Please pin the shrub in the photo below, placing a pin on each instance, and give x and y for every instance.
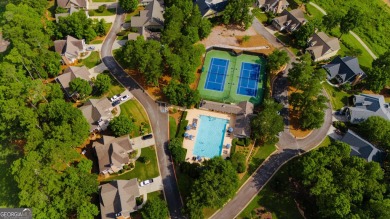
(238, 161)
(101, 8)
(340, 126)
(121, 171)
(126, 167)
(133, 29)
(91, 13)
(139, 200)
(131, 165)
(121, 33)
(144, 159)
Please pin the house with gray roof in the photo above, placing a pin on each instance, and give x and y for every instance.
(70, 11)
(243, 112)
(70, 74)
(211, 8)
(118, 198)
(362, 148)
(70, 49)
(289, 20)
(98, 113)
(113, 153)
(274, 6)
(366, 105)
(344, 70)
(149, 19)
(322, 47)
(80, 4)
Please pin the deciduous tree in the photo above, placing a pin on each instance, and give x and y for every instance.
(350, 21)
(238, 12)
(102, 84)
(155, 208)
(81, 87)
(128, 5)
(277, 59)
(121, 125)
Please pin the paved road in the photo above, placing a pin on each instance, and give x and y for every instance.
(159, 121)
(351, 32)
(288, 146)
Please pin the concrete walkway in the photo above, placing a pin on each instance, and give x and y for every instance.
(351, 32)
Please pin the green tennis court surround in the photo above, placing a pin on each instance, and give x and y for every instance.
(223, 80)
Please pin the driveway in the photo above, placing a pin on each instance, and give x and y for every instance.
(158, 120)
(156, 185)
(138, 143)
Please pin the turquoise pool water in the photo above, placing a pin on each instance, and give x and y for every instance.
(209, 140)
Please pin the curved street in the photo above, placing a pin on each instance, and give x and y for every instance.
(159, 120)
(288, 146)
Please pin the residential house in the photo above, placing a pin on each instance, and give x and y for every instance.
(362, 148)
(366, 105)
(274, 6)
(322, 47)
(3, 43)
(113, 153)
(211, 8)
(98, 113)
(71, 73)
(80, 4)
(243, 112)
(70, 49)
(289, 20)
(344, 70)
(118, 198)
(151, 18)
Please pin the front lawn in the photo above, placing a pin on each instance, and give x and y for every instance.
(91, 61)
(338, 98)
(134, 13)
(288, 41)
(277, 201)
(260, 15)
(106, 12)
(96, 42)
(326, 142)
(134, 110)
(141, 170)
(172, 127)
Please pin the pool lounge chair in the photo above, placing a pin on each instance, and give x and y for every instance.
(194, 123)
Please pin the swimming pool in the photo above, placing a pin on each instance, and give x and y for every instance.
(209, 140)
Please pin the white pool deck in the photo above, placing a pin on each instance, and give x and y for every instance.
(190, 144)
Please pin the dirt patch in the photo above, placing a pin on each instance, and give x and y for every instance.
(176, 115)
(294, 120)
(232, 36)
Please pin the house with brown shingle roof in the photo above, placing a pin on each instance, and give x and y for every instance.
(71, 73)
(322, 47)
(118, 198)
(289, 20)
(243, 112)
(151, 18)
(98, 113)
(70, 49)
(75, 3)
(275, 6)
(113, 153)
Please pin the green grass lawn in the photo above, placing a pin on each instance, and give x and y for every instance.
(9, 188)
(277, 201)
(338, 98)
(288, 40)
(96, 42)
(107, 27)
(106, 12)
(133, 109)
(313, 12)
(326, 142)
(156, 194)
(142, 171)
(258, 13)
(124, 37)
(91, 61)
(134, 13)
(172, 127)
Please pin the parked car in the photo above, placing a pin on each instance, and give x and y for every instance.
(145, 137)
(125, 97)
(115, 103)
(90, 48)
(146, 182)
(115, 97)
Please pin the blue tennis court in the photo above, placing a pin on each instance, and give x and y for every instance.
(249, 79)
(217, 74)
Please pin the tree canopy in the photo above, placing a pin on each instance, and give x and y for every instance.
(102, 84)
(128, 5)
(177, 150)
(277, 59)
(351, 20)
(181, 94)
(238, 12)
(267, 124)
(155, 208)
(343, 186)
(377, 130)
(379, 75)
(80, 86)
(207, 191)
(121, 125)
(303, 34)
